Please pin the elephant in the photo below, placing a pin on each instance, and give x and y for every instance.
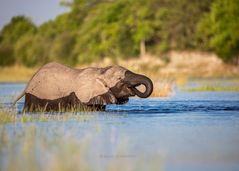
(55, 87)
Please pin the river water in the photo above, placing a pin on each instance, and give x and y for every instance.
(187, 131)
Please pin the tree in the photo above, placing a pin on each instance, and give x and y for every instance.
(140, 20)
(180, 22)
(6, 55)
(94, 29)
(218, 30)
(100, 31)
(117, 28)
(10, 34)
(62, 48)
(32, 50)
(17, 27)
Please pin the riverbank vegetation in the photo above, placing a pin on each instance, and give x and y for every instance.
(94, 30)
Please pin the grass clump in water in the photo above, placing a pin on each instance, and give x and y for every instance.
(10, 116)
(6, 117)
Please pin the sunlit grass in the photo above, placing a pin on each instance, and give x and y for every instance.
(8, 115)
(16, 73)
(211, 88)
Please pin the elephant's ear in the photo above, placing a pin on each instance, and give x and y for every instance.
(104, 98)
(96, 92)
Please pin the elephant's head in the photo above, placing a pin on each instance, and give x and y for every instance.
(123, 83)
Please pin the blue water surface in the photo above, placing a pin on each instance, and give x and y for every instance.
(188, 131)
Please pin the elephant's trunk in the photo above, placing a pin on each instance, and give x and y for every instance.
(135, 80)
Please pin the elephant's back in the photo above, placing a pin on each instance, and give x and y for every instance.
(52, 81)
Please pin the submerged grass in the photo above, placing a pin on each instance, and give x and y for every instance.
(8, 115)
(27, 144)
(44, 142)
(31, 148)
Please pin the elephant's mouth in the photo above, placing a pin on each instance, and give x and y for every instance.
(122, 100)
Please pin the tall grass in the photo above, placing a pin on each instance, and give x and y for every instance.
(16, 73)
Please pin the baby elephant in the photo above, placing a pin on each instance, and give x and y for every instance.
(55, 87)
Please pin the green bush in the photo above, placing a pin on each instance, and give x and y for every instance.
(62, 48)
(218, 30)
(17, 27)
(6, 55)
(32, 50)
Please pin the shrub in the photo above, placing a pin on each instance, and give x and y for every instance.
(6, 55)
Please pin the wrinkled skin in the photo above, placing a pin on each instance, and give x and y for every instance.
(55, 87)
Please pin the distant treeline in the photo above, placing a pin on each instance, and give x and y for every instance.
(94, 29)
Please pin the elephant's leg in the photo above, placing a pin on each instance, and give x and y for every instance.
(29, 104)
(67, 103)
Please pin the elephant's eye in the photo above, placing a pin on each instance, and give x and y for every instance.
(119, 78)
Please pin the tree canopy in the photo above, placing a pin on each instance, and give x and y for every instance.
(94, 29)
(219, 29)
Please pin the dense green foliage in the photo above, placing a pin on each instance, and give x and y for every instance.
(10, 35)
(6, 55)
(94, 29)
(219, 29)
